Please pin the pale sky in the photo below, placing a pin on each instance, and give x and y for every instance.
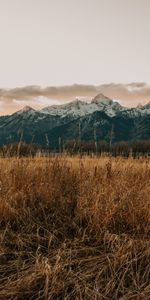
(49, 43)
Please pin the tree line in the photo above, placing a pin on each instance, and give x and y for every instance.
(72, 147)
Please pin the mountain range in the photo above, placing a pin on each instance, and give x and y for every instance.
(98, 119)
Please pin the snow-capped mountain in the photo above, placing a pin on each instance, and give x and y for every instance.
(52, 122)
(80, 108)
(75, 108)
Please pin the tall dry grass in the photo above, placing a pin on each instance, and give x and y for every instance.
(74, 228)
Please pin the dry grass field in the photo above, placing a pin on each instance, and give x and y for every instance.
(74, 228)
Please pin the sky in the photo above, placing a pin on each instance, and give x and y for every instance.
(52, 51)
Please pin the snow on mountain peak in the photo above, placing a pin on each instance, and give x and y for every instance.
(83, 99)
(79, 108)
(76, 107)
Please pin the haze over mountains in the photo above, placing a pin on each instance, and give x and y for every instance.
(74, 120)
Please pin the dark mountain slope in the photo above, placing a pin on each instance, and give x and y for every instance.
(102, 119)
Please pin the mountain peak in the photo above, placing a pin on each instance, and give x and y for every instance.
(102, 99)
(139, 105)
(147, 105)
(143, 107)
(76, 101)
(27, 109)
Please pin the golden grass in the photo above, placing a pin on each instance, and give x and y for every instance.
(74, 228)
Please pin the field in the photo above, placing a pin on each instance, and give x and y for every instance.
(74, 228)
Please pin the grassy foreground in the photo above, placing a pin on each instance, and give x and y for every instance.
(74, 228)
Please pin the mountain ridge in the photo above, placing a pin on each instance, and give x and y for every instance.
(55, 121)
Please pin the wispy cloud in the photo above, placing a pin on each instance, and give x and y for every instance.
(128, 94)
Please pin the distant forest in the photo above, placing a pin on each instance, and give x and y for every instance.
(73, 147)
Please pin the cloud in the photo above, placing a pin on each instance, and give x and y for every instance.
(128, 94)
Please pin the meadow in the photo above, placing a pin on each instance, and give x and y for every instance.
(74, 228)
